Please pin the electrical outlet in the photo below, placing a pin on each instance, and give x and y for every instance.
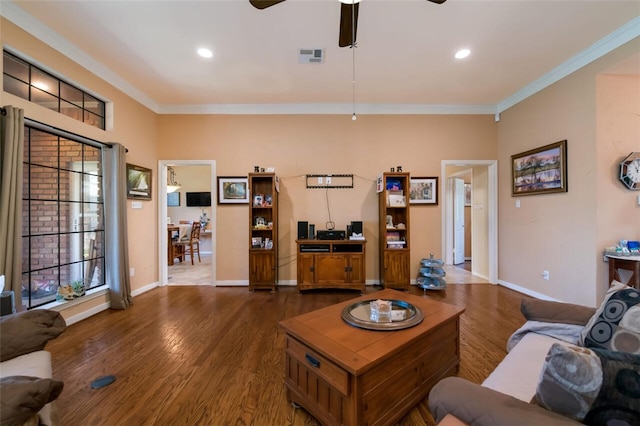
(132, 272)
(545, 275)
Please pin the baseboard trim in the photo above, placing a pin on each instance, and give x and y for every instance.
(526, 291)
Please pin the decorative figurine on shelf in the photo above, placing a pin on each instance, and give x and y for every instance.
(399, 169)
(256, 169)
(204, 220)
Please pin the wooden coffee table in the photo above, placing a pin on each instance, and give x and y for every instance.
(346, 375)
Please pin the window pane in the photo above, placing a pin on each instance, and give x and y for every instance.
(43, 149)
(15, 87)
(71, 274)
(71, 94)
(92, 216)
(15, 67)
(92, 188)
(43, 252)
(71, 250)
(44, 217)
(70, 185)
(42, 183)
(44, 81)
(93, 120)
(70, 155)
(71, 110)
(94, 275)
(41, 288)
(44, 99)
(93, 105)
(70, 217)
(92, 156)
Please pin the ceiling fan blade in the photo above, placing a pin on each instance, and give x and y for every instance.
(263, 4)
(348, 18)
(437, 1)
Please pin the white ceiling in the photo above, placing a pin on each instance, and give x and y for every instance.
(403, 63)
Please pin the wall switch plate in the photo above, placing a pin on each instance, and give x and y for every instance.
(136, 204)
(132, 272)
(319, 181)
(545, 275)
(517, 203)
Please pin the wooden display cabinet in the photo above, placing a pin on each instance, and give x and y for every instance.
(331, 264)
(263, 231)
(394, 230)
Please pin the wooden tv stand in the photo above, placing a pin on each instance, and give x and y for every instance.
(331, 264)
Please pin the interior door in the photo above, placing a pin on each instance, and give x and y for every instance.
(458, 221)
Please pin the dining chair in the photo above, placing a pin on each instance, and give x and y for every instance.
(191, 245)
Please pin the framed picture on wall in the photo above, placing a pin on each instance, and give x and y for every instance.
(173, 199)
(233, 190)
(540, 170)
(138, 182)
(423, 190)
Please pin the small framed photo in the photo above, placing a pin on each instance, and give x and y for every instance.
(138, 182)
(424, 190)
(540, 170)
(258, 200)
(173, 199)
(233, 190)
(256, 242)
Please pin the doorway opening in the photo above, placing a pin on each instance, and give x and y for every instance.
(208, 240)
(483, 205)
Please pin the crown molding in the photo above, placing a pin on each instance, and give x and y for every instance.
(36, 28)
(327, 109)
(622, 35)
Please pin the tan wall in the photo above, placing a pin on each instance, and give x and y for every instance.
(300, 145)
(565, 233)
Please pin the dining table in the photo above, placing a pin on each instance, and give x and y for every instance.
(183, 232)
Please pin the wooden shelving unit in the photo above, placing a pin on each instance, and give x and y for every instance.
(263, 231)
(394, 227)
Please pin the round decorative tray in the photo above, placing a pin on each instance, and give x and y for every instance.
(359, 315)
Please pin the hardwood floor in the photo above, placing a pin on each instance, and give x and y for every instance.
(200, 355)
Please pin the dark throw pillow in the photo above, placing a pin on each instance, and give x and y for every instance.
(21, 397)
(28, 331)
(616, 324)
(597, 387)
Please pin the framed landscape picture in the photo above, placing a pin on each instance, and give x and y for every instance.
(138, 182)
(173, 199)
(233, 190)
(540, 170)
(423, 190)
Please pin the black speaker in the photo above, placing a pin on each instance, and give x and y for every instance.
(7, 303)
(312, 231)
(303, 230)
(356, 227)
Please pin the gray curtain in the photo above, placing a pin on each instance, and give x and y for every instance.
(11, 153)
(115, 216)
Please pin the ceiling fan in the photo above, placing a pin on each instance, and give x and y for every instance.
(348, 17)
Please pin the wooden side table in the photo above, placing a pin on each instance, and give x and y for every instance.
(628, 263)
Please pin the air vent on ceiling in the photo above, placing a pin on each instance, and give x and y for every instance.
(311, 56)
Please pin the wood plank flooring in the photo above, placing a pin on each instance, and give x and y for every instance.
(200, 355)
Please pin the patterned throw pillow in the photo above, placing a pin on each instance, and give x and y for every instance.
(616, 324)
(596, 387)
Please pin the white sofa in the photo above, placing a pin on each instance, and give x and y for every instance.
(504, 398)
(27, 390)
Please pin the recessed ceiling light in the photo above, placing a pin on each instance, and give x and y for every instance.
(462, 53)
(205, 53)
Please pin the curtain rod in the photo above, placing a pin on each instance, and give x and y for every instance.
(64, 133)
